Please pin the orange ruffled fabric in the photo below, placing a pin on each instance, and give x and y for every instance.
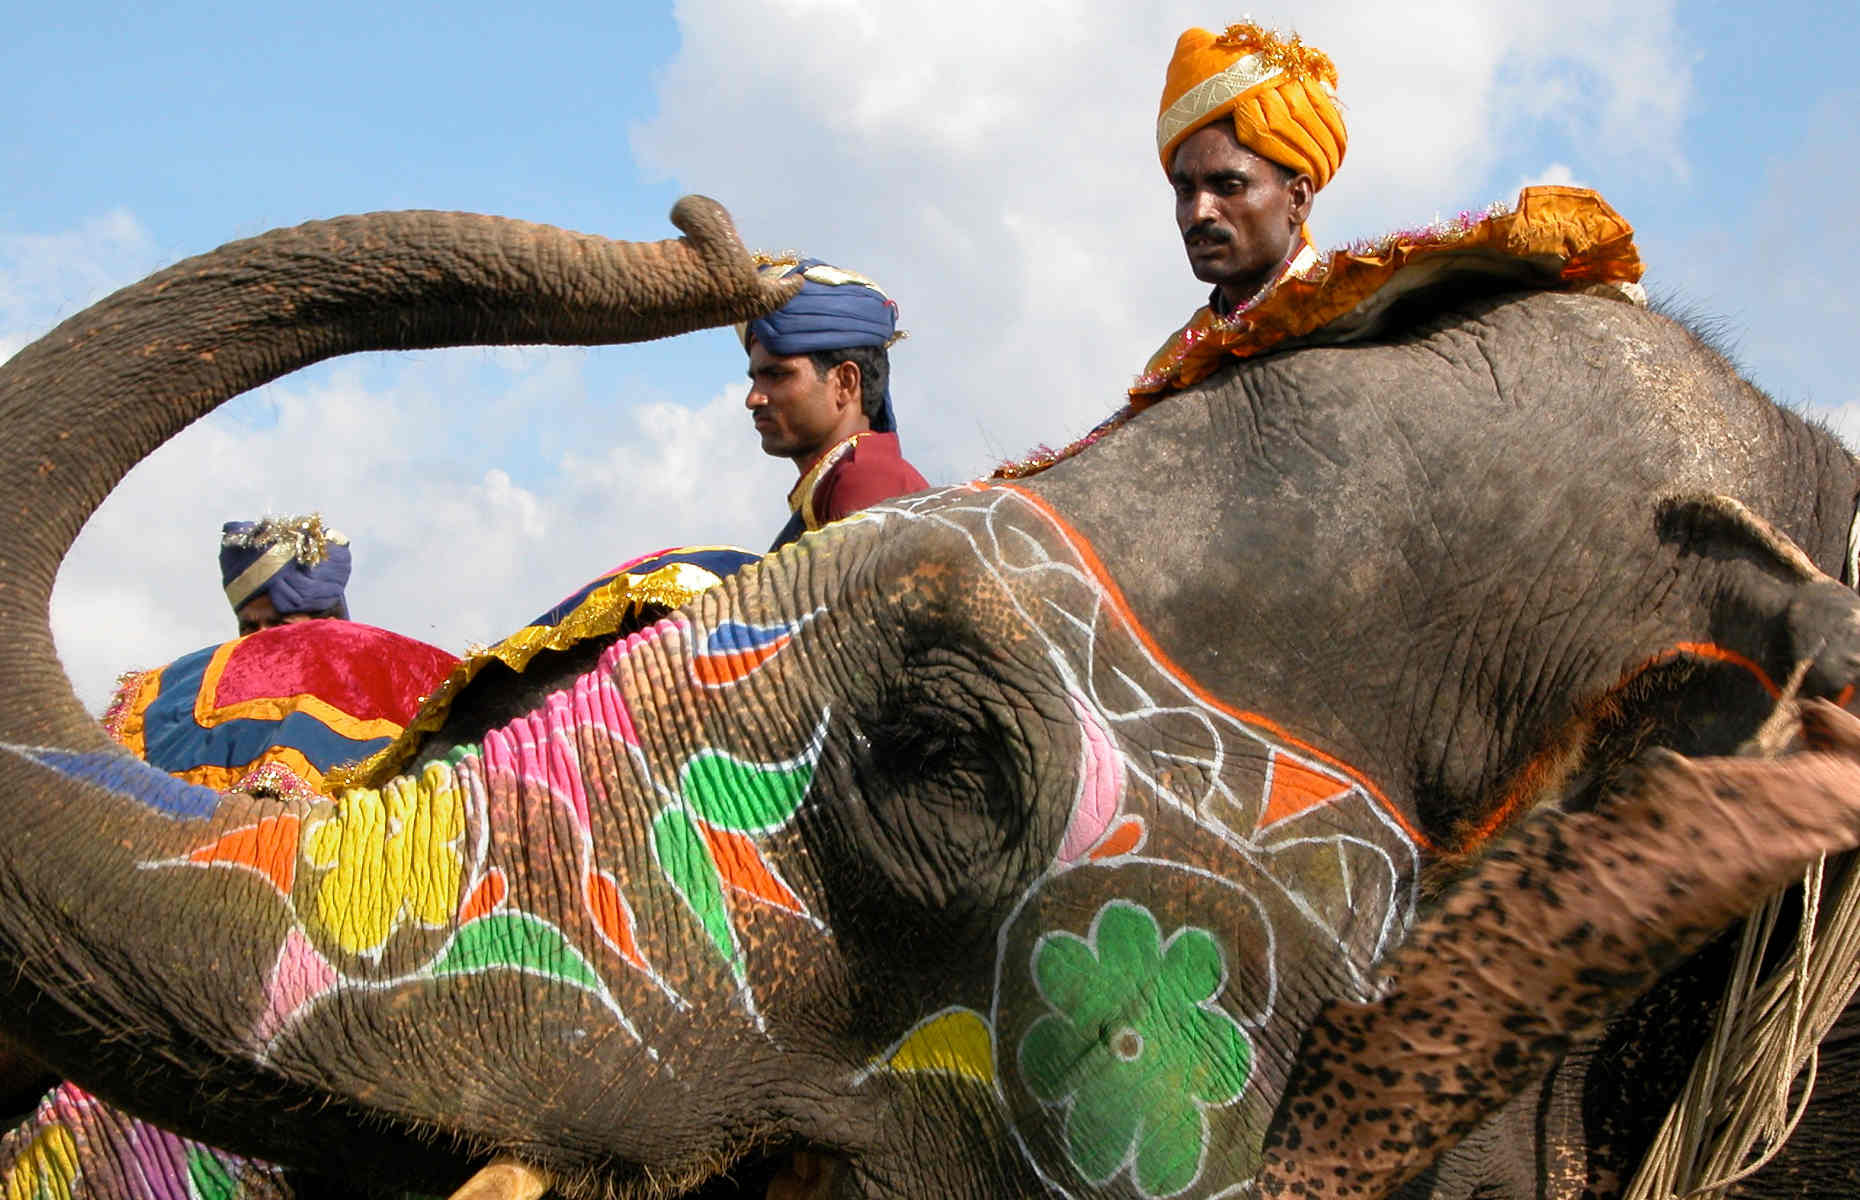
(1568, 237)
(1556, 238)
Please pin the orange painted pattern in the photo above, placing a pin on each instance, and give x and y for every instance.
(269, 847)
(485, 898)
(1124, 837)
(1295, 788)
(742, 868)
(1115, 597)
(610, 914)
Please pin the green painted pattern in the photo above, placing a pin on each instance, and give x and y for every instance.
(686, 861)
(743, 797)
(1134, 1046)
(207, 1176)
(516, 941)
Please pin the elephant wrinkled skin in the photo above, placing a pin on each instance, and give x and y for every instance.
(1003, 840)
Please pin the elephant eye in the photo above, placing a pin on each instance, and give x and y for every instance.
(945, 789)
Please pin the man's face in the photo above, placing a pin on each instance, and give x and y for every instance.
(1237, 211)
(799, 413)
(260, 613)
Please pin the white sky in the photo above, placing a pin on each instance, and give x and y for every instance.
(991, 164)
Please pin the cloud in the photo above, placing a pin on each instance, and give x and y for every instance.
(449, 547)
(45, 278)
(1006, 191)
(1003, 187)
(1557, 174)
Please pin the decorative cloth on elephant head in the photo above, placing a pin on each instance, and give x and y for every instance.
(299, 562)
(279, 709)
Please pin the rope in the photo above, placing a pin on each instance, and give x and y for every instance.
(1767, 1031)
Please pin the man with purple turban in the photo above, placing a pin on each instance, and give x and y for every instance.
(819, 392)
(283, 569)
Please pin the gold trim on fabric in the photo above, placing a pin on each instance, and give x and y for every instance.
(1211, 93)
(253, 577)
(801, 496)
(605, 611)
(126, 717)
(209, 712)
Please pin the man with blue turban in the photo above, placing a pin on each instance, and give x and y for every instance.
(283, 569)
(819, 391)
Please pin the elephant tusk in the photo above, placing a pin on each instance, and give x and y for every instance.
(505, 1179)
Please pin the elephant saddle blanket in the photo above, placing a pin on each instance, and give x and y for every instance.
(617, 601)
(278, 709)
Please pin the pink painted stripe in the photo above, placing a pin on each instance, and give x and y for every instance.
(564, 758)
(300, 976)
(1101, 783)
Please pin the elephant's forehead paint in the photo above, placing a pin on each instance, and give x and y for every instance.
(732, 651)
(1209, 866)
(410, 864)
(1101, 782)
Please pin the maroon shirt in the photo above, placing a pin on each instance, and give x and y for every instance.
(863, 470)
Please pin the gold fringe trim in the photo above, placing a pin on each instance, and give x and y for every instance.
(605, 611)
(1289, 54)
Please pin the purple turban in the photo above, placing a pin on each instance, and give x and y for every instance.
(298, 561)
(834, 310)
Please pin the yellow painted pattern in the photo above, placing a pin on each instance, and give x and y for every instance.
(955, 1041)
(47, 1170)
(393, 857)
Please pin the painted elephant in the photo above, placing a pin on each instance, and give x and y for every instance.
(1005, 840)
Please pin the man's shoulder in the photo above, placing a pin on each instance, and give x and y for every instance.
(873, 469)
(880, 453)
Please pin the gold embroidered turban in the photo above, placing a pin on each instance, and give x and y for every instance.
(1281, 93)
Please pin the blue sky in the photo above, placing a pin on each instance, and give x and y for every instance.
(989, 163)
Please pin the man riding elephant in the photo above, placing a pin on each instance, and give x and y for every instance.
(281, 570)
(1249, 132)
(1002, 842)
(820, 393)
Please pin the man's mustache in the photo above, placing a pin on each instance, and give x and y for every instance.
(1207, 231)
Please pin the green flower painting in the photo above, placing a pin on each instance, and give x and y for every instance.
(1133, 1046)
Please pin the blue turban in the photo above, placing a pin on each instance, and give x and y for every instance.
(834, 310)
(298, 561)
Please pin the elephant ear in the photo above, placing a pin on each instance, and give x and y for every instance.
(1821, 623)
(1548, 938)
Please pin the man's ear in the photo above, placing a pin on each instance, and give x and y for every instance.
(847, 383)
(1303, 190)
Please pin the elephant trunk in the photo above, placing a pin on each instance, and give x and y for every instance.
(97, 968)
(86, 402)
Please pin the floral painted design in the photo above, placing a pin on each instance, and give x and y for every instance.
(1133, 1046)
(393, 858)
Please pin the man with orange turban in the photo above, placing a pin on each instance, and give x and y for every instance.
(1249, 133)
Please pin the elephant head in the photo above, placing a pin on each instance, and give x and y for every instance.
(1001, 840)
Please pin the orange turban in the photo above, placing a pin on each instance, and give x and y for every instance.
(1281, 92)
